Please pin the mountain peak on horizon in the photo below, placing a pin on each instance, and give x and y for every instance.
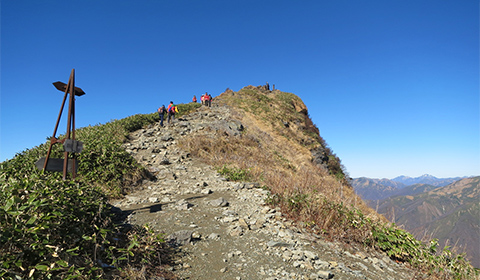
(401, 177)
(404, 177)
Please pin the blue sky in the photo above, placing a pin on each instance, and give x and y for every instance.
(393, 86)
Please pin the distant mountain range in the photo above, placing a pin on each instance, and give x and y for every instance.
(375, 189)
(426, 179)
(450, 213)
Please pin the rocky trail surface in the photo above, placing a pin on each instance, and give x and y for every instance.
(224, 230)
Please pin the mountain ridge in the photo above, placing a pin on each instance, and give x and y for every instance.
(375, 189)
(231, 232)
(284, 174)
(426, 179)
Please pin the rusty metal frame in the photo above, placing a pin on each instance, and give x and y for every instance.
(71, 90)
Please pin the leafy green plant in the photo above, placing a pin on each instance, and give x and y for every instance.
(55, 229)
(401, 245)
(298, 201)
(234, 174)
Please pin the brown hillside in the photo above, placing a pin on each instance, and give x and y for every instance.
(281, 148)
(450, 214)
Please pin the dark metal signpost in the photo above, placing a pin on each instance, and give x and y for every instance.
(70, 145)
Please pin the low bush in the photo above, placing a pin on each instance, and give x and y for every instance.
(56, 229)
(234, 174)
(402, 246)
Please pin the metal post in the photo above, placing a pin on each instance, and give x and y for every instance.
(74, 156)
(70, 88)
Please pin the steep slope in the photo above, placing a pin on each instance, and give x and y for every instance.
(449, 213)
(282, 148)
(406, 191)
(414, 189)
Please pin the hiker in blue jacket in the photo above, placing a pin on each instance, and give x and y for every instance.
(161, 113)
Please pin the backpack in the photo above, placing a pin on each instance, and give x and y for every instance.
(161, 110)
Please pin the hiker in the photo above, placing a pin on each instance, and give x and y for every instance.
(205, 99)
(210, 100)
(202, 99)
(170, 112)
(194, 99)
(161, 113)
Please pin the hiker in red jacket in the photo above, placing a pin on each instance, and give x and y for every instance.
(170, 111)
(206, 99)
(194, 99)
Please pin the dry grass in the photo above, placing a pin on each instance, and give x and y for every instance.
(306, 193)
(276, 150)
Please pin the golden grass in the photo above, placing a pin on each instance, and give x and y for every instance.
(306, 193)
(279, 157)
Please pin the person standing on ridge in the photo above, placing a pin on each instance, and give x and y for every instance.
(194, 99)
(205, 99)
(161, 113)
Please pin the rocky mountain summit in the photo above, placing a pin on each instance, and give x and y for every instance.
(225, 230)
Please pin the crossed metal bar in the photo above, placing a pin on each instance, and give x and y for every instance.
(70, 144)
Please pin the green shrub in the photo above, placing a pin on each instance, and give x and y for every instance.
(55, 229)
(234, 174)
(37, 215)
(297, 202)
(401, 245)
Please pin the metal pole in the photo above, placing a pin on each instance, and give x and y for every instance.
(71, 90)
(74, 155)
(54, 139)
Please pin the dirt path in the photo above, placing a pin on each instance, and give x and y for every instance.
(223, 230)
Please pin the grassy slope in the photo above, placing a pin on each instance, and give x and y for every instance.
(275, 150)
(50, 228)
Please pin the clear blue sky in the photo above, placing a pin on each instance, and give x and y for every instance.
(393, 86)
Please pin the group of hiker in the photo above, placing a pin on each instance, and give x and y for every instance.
(206, 99)
(172, 109)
